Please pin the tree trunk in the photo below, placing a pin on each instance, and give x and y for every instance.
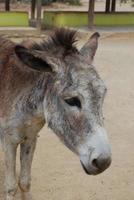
(39, 3)
(113, 7)
(107, 8)
(33, 5)
(7, 5)
(91, 13)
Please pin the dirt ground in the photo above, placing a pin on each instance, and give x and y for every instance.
(57, 173)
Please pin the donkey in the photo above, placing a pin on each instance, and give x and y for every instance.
(55, 83)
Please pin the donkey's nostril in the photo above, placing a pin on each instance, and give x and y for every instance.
(94, 163)
(101, 163)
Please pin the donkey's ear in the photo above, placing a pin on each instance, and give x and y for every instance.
(32, 59)
(89, 49)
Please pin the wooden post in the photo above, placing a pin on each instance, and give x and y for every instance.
(33, 4)
(7, 5)
(113, 7)
(91, 14)
(39, 4)
(107, 7)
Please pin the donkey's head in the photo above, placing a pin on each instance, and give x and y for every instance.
(74, 96)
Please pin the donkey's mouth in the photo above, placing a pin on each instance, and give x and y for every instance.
(87, 172)
(91, 171)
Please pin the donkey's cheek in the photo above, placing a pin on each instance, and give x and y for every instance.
(68, 135)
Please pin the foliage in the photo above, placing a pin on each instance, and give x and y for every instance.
(123, 1)
(132, 3)
(46, 2)
(72, 2)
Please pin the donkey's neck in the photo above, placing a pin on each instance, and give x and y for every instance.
(32, 97)
(22, 91)
(21, 88)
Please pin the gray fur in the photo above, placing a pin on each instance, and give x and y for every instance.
(37, 82)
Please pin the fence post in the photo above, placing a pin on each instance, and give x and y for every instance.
(33, 4)
(7, 5)
(39, 4)
(107, 7)
(113, 7)
(91, 14)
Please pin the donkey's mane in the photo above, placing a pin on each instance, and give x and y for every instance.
(62, 40)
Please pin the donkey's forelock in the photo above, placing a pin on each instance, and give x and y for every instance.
(62, 39)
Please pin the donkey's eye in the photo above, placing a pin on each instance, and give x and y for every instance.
(74, 101)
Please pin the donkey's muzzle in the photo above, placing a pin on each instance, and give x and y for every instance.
(95, 153)
(97, 165)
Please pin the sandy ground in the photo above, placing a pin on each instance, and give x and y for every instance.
(57, 173)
